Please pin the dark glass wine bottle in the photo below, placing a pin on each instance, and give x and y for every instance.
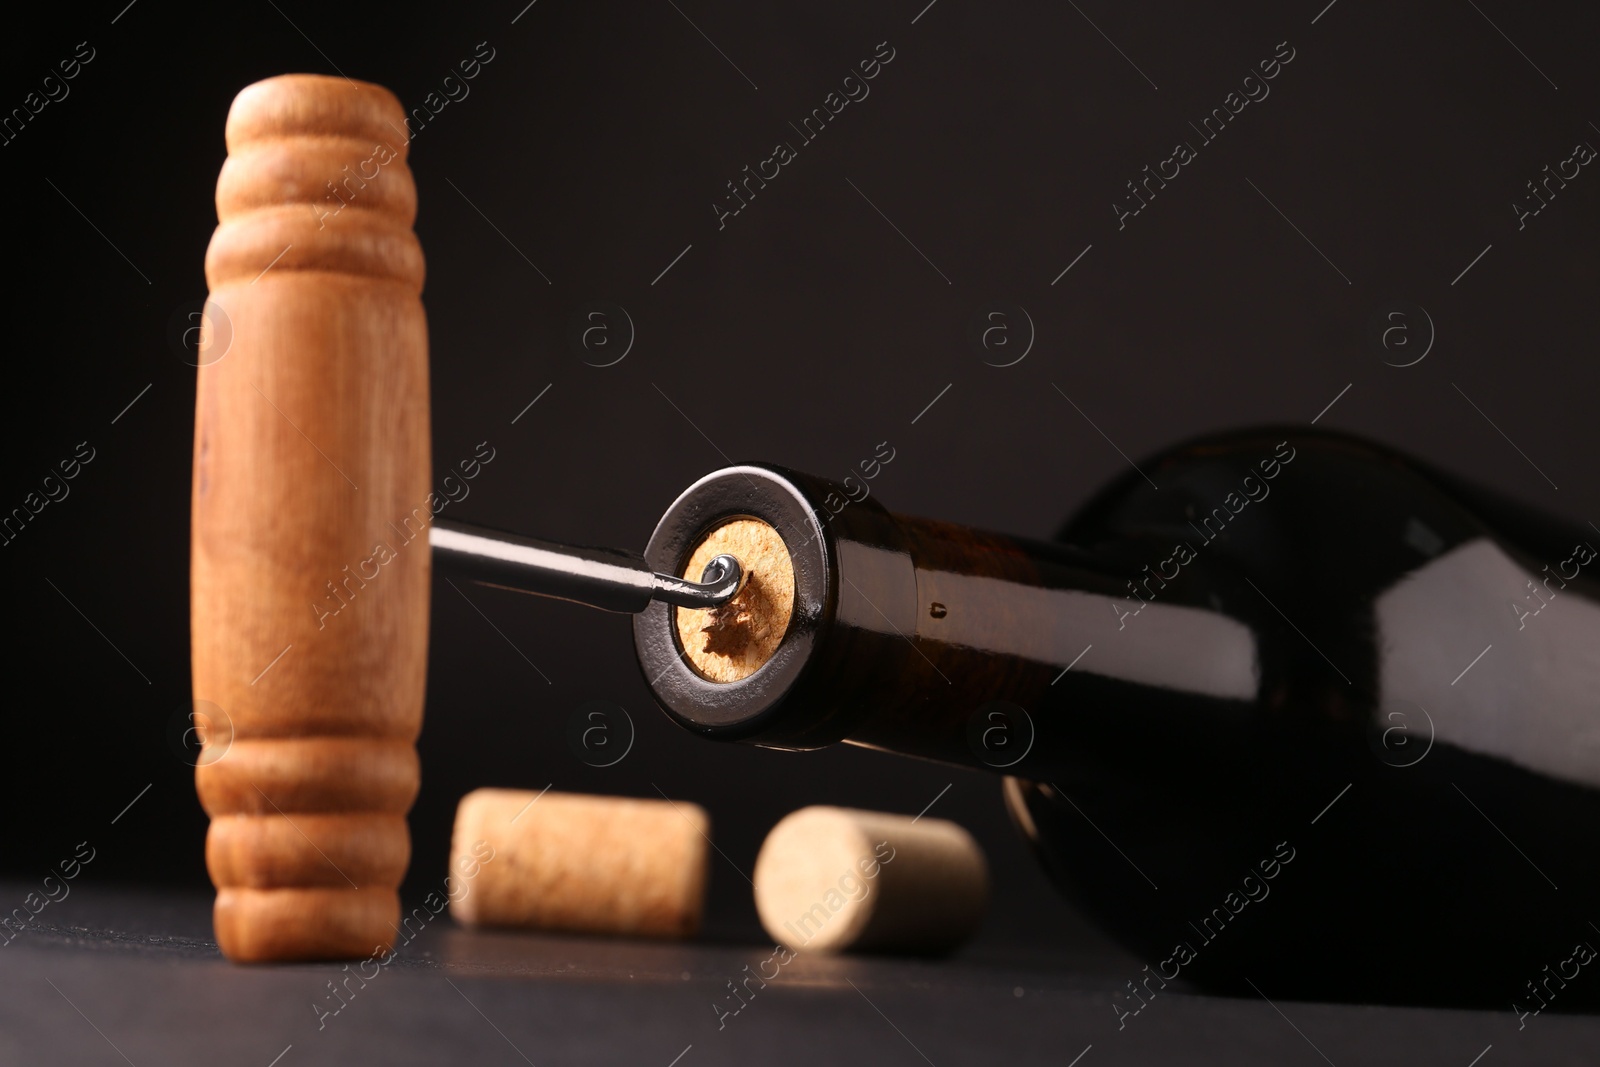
(1280, 707)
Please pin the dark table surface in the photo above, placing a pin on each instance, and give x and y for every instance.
(134, 977)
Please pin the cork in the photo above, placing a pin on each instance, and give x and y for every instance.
(830, 879)
(731, 642)
(582, 864)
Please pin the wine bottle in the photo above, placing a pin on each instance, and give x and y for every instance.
(1280, 708)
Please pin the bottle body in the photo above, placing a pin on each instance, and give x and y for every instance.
(1402, 813)
(1257, 666)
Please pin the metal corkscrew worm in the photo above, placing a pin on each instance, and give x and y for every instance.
(604, 578)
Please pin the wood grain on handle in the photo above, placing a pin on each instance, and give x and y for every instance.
(311, 449)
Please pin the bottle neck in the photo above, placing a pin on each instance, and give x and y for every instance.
(1323, 607)
(1039, 658)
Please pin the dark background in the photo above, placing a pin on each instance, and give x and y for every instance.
(805, 332)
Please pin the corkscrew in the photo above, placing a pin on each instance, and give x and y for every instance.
(604, 578)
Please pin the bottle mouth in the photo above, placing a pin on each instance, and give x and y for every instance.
(726, 671)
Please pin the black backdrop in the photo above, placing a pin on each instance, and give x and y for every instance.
(584, 165)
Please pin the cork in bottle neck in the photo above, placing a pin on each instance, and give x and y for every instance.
(733, 641)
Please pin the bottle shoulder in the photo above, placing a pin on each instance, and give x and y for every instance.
(1316, 509)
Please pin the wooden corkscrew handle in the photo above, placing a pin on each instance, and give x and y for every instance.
(310, 560)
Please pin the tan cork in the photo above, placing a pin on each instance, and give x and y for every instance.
(583, 864)
(731, 642)
(830, 879)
